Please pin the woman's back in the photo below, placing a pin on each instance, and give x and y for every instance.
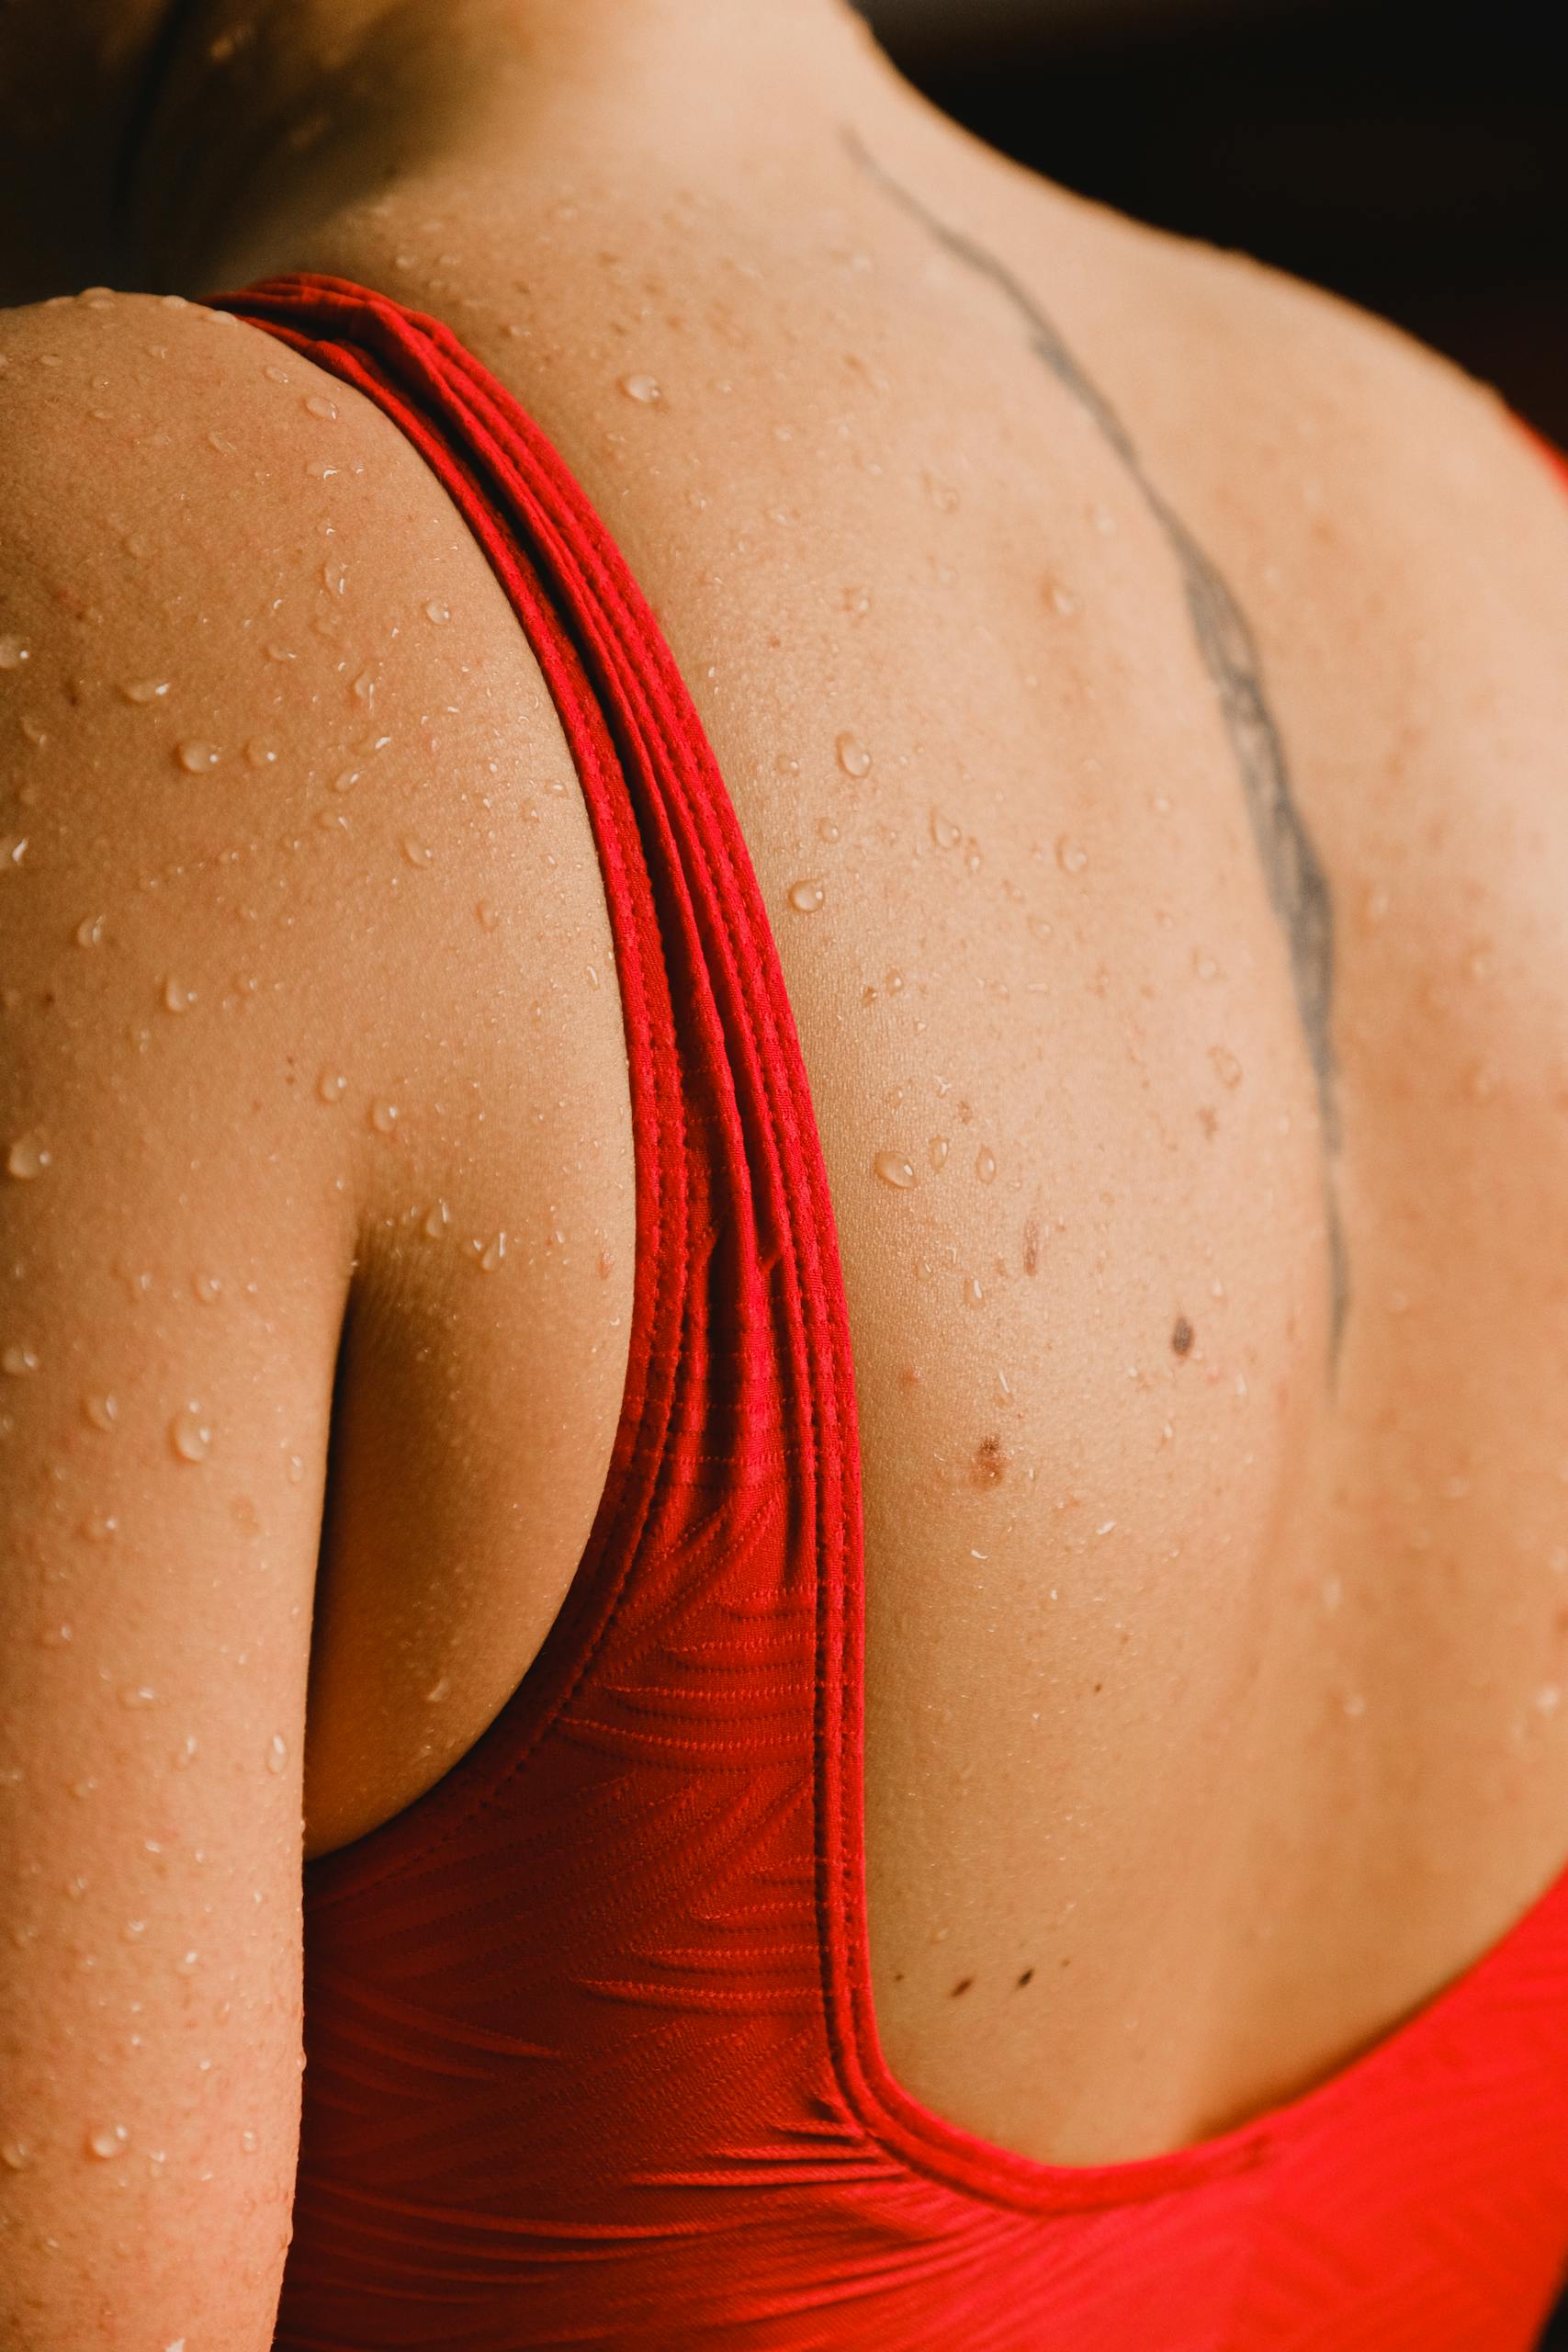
(1134, 678)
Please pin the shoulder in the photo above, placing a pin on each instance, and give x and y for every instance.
(274, 680)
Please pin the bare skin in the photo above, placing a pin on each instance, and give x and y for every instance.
(1196, 930)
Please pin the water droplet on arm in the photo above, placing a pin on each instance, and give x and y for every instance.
(642, 388)
(144, 690)
(13, 653)
(28, 1156)
(196, 757)
(12, 846)
(853, 757)
(944, 832)
(19, 1359)
(806, 897)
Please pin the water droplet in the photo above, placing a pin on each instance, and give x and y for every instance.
(436, 1221)
(1071, 856)
(972, 1294)
(190, 1435)
(187, 1964)
(207, 1287)
(15, 2155)
(196, 757)
(1061, 600)
(383, 1117)
(937, 1150)
(984, 1164)
(944, 832)
(438, 1690)
(137, 1694)
(12, 845)
(805, 897)
(28, 1156)
(492, 1257)
(19, 1359)
(437, 609)
(102, 1411)
(144, 690)
(644, 389)
(178, 999)
(259, 754)
(55, 1637)
(99, 1526)
(133, 1930)
(90, 931)
(853, 757)
(109, 2138)
(1227, 1065)
(275, 374)
(276, 1752)
(317, 404)
(248, 2142)
(827, 831)
(894, 1170)
(332, 1086)
(416, 851)
(489, 915)
(13, 653)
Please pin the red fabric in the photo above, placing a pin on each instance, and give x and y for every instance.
(590, 2052)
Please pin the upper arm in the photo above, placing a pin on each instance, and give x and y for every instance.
(177, 1211)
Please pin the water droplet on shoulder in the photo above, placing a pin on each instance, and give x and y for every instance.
(190, 1434)
(806, 897)
(893, 1169)
(853, 757)
(196, 757)
(644, 388)
(13, 652)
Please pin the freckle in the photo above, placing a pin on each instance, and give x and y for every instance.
(962, 1986)
(1181, 1338)
(1025, 1977)
(989, 1466)
(1032, 1246)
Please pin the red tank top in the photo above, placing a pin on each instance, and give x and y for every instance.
(590, 2053)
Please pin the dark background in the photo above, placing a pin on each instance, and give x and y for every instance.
(1415, 159)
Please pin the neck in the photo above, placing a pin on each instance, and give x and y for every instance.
(271, 120)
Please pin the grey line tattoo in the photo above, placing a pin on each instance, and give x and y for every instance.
(1298, 888)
